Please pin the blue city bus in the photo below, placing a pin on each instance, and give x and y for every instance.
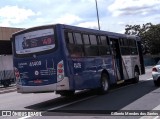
(66, 58)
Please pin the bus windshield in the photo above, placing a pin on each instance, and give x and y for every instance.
(36, 41)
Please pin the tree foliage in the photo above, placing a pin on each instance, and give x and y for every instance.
(150, 35)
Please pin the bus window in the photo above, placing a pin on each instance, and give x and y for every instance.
(93, 39)
(91, 50)
(125, 41)
(78, 38)
(66, 37)
(121, 41)
(134, 43)
(70, 38)
(76, 51)
(99, 40)
(27, 43)
(125, 49)
(134, 51)
(86, 39)
(104, 48)
(133, 47)
(104, 40)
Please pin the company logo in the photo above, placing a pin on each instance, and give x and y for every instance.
(6, 113)
(35, 63)
(36, 73)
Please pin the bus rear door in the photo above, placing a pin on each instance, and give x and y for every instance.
(117, 59)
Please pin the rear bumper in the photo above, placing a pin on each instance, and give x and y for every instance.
(36, 89)
(62, 85)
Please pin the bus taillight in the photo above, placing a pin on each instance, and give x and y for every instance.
(60, 71)
(17, 74)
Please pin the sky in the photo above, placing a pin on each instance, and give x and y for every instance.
(114, 15)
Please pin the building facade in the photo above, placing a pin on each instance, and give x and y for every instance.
(6, 32)
(5, 43)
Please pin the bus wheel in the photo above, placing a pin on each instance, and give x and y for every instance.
(66, 93)
(104, 84)
(136, 76)
(156, 83)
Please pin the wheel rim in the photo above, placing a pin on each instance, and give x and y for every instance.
(105, 83)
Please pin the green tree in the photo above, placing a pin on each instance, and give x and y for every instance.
(153, 39)
(150, 35)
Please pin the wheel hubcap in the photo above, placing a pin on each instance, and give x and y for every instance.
(105, 84)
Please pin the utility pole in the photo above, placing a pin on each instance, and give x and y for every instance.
(97, 15)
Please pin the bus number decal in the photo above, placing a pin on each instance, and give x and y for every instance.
(35, 63)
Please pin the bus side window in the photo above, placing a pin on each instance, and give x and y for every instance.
(69, 41)
(99, 40)
(121, 42)
(86, 39)
(78, 38)
(93, 39)
(92, 49)
(133, 47)
(70, 37)
(125, 50)
(104, 40)
(104, 48)
(76, 51)
(75, 48)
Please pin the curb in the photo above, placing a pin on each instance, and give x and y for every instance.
(8, 91)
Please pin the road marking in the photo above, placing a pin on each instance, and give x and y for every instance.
(152, 117)
(61, 106)
(156, 108)
(71, 103)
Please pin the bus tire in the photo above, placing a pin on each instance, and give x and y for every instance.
(156, 83)
(136, 76)
(66, 93)
(104, 84)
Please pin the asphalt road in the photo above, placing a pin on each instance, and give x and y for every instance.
(11, 88)
(87, 104)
